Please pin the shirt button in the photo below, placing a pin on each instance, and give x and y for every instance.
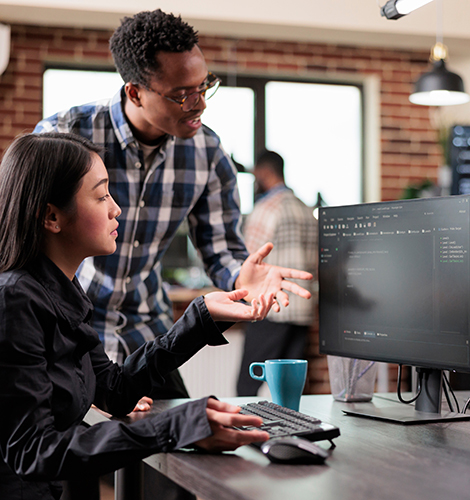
(137, 164)
(128, 279)
(142, 204)
(136, 244)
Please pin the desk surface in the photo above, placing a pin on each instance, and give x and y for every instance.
(372, 460)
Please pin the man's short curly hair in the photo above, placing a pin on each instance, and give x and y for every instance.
(136, 42)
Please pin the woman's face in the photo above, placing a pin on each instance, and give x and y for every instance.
(92, 228)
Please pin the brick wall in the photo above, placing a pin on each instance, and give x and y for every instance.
(408, 140)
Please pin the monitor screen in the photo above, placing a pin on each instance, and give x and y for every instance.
(395, 282)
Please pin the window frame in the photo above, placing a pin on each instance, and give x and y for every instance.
(258, 84)
(368, 85)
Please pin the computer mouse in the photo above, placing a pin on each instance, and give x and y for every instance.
(293, 450)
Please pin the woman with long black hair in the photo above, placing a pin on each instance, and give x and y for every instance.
(55, 211)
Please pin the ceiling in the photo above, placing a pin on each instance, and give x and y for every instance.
(352, 22)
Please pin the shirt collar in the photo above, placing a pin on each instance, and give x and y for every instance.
(273, 191)
(120, 124)
(118, 118)
(68, 296)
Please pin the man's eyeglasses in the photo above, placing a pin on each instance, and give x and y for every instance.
(188, 102)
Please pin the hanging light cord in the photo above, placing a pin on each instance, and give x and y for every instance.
(439, 50)
(439, 23)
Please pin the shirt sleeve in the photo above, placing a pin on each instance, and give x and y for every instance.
(47, 125)
(214, 223)
(34, 443)
(120, 387)
(108, 446)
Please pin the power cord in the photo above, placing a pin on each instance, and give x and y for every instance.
(447, 387)
(467, 404)
(420, 379)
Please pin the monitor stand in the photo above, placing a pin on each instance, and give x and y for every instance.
(427, 407)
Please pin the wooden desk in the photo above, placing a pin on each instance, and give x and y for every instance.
(372, 460)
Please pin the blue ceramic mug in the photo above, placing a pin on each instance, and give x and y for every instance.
(285, 378)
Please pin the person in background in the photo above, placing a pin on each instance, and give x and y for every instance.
(281, 218)
(56, 210)
(164, 166)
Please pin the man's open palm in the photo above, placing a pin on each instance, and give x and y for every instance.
(260, 278)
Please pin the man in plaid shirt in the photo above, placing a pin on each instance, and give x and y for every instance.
(164, 166)
(281, 218)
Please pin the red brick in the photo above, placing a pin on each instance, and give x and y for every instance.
(312, 67)
(288, 67)
(257, 64)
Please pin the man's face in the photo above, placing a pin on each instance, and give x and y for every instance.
(182, 73)
(260, 174)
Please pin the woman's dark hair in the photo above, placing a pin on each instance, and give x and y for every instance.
(135, 44)
(37, 169)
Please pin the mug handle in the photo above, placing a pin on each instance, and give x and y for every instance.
(261, 377)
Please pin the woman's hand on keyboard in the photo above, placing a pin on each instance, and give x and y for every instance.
(222, 418)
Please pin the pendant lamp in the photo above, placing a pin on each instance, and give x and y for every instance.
(439, 87)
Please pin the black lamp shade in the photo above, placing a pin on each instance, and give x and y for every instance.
(439, 87)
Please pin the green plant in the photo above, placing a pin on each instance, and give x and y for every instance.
(419, 190)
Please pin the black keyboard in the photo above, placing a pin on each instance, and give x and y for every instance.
(279, 422)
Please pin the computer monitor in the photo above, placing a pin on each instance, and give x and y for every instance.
(395, 287)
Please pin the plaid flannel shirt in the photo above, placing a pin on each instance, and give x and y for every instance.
(289, 224)
(189, 178)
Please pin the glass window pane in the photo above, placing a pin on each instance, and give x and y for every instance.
(231, 113)
(246, 187)
(317, 129)
(64, 88)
